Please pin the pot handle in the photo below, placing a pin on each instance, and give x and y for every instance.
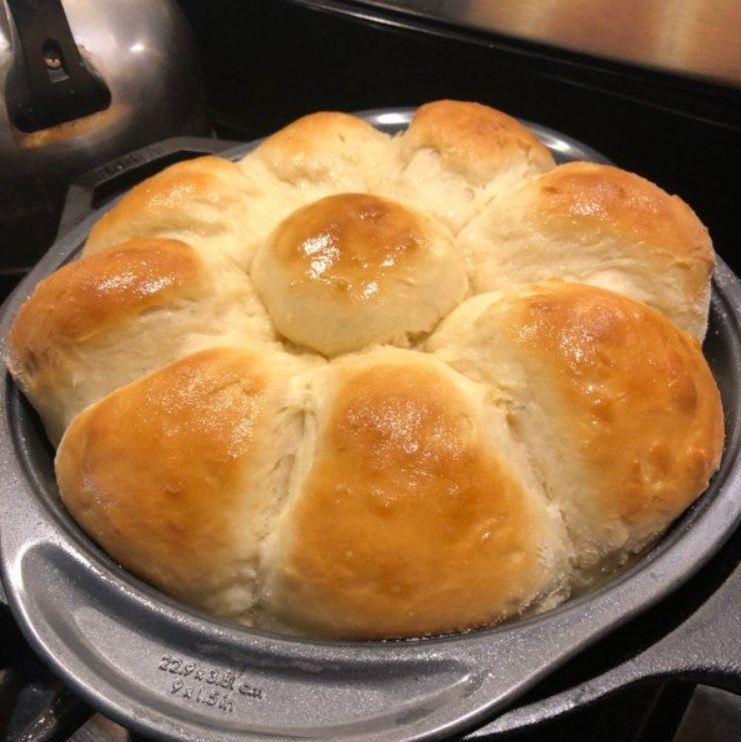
(94, 187)
(48, 82)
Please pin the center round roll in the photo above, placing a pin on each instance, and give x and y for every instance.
(354, 269)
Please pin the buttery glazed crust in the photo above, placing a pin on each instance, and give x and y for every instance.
(409, 522)
(606, 198)
(631, 383)
(199, 199)
(87, 296)
(108, 318)
(85, 303)
(635, 425)
(171, 474)
(355, 269)
(601, 225)
(475, 140)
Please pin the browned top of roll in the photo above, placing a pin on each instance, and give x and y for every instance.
(158, 472)
(191, 196)
(638, 394)
(409, 521)
(90, 295)
(349, 241)
(617, 406)
(474, 139)
(87, 296)
(354, 269)
(602, 198)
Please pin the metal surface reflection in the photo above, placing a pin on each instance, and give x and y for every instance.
(695, 37)
(144, 52)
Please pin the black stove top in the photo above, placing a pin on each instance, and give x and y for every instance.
(270, 61)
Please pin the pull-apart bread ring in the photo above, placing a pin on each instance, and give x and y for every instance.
(362, 386)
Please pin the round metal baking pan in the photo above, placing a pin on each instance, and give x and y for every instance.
(166, 670)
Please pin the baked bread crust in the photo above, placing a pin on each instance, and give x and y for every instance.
(361, 386)
(114, 315)
(352, 270)
(617, 408)
(175, 473)
(600, 225)
(410, 520)
(199, 201)
(478, 141)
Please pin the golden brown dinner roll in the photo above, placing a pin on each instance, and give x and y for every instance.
(456, 156)
(616, 406)
(351, 270)
(102, 321)
(410, 519)
(206, 202)
(322, 153)
(601, 225)
(176, 474)
(316, 156)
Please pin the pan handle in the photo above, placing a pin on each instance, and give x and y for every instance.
(153, 670)
(707, 647)
(89, 190)
(704, 648)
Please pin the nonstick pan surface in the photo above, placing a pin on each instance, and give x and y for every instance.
(166, 670)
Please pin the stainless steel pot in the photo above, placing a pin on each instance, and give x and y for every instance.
(82, 82)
